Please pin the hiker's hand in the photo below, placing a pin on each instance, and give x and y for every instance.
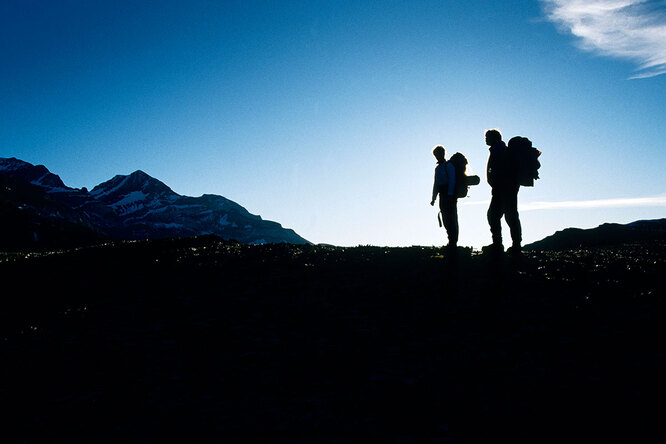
(432, 203)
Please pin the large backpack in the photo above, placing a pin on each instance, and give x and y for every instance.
(525, 160)
(460, 165)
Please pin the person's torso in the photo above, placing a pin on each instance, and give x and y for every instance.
(499, 168)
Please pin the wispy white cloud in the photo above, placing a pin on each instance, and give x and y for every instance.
(653, 201)
(629, 29)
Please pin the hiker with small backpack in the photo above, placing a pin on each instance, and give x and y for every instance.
(451, 183)
(444, 187)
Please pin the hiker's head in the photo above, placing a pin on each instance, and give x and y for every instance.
(439, 153)
(493, 136)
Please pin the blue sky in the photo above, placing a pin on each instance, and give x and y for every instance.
(322, 115)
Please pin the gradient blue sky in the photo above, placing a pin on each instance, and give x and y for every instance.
(322, 115)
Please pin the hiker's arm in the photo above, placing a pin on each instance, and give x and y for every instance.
(434, 189)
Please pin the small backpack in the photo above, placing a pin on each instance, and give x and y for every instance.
(460, 165)
(525, 160)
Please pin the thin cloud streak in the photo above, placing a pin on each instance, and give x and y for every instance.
(654, 201)
(629, 29)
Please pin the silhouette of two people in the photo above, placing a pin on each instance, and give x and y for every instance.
(502, 178)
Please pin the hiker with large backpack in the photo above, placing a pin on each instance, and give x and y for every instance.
(501, 176)
(444, 187)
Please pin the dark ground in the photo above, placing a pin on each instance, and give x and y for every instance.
(204, 340)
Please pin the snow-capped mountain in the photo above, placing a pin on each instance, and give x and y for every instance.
(36, 175)
(135, 206)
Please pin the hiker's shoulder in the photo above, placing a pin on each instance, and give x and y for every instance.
(498, 150)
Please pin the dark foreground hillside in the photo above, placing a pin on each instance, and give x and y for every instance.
(202, 340)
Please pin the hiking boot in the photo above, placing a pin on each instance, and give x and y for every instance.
(514, 250)
(493, 249)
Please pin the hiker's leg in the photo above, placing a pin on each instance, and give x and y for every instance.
(444, 211)
(511, 215)
(452, 221)
(448, 215)
(495, 217)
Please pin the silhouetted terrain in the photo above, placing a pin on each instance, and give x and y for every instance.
(208, 340)
(603, 236)
(39, 212)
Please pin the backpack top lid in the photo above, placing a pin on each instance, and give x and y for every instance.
(519, 142)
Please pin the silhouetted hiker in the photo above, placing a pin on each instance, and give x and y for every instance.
(504, 202)
(444, 186)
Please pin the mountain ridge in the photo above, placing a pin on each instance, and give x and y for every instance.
(125, 207)
(604, 235)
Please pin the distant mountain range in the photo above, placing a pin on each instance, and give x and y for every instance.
(38, 210)
(603, 236)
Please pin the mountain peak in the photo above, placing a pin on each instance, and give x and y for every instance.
(12, 164)
(35, 174)
(141, 174)
(136, 181)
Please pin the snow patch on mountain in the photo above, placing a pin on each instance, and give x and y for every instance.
(40, 180)
(12, 164)
(224, 220)
(131, 198)
(170, 225)
(156, 211)
(98, 192)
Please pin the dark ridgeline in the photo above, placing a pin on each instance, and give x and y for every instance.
(208, 340)
(603, 235)
(39, 211)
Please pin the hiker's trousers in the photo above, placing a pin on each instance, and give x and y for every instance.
(504, 203)
(449, 208)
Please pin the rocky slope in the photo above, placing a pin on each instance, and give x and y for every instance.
(35, 202)
(603, 235)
